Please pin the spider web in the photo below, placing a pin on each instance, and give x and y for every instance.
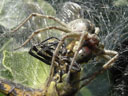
(19, 66)
(110, 16)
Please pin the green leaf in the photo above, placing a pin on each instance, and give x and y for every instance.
(26, 69)
(85, 92)
(2, 94)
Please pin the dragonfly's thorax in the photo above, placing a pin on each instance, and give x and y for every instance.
(91, 42)
(86, 51)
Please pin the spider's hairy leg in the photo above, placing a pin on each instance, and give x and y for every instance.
(39, 15)
(82, 38)
(56, 52)
(66, 30)
(106, 55)
(77, 35)
(113, 59)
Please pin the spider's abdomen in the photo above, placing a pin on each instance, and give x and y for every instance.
(80, 25)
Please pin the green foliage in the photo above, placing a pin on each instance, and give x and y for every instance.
(85, 92)
(25, 68)
(2, 94)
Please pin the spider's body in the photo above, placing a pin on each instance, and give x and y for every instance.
(80, 25)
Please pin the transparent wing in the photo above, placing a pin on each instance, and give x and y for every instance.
(70, 11)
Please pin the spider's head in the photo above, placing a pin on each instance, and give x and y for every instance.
(80, 25)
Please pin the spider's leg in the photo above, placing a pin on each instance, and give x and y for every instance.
(43, 30)
(58, 47)
(106, 55)
(39, 15)
(82, 38)
(55, 54)
(113, 59)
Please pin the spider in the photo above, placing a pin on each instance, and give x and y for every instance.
(80, 30)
